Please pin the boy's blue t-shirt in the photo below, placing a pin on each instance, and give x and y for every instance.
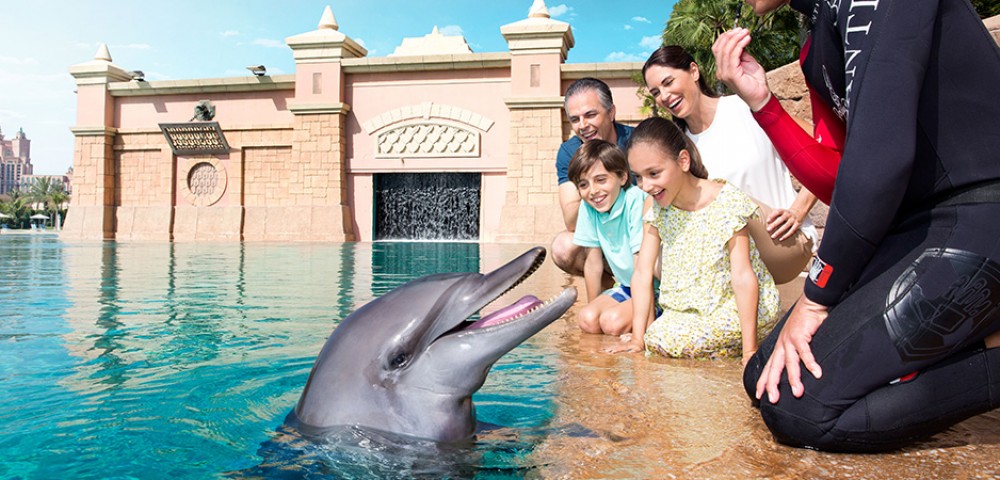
(618, 233)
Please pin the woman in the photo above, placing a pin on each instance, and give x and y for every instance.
(897, 326)
(733, 147)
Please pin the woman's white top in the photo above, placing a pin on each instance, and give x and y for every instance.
(735, 148)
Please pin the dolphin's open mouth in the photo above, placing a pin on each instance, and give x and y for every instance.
(520, 308)
(507, 278)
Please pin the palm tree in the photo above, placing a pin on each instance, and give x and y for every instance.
(50, 193)
(15, 204)
(695, 24)
(986, 8)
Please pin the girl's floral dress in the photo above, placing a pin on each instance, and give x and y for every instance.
(699, 306)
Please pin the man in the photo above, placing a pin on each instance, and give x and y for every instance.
(906, 96)
(591, 113)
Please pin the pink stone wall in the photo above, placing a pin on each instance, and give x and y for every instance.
(231, 109)
(305, 148)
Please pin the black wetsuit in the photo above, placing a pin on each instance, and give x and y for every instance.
(909, 264)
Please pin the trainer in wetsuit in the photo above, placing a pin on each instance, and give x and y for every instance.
(902, 304)
(591, 113)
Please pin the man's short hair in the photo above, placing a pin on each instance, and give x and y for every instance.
(587, 84)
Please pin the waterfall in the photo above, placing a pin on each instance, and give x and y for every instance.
(427, 206)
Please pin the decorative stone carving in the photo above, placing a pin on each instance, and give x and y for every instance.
(205, 182)
(203, 179)
(427, 140)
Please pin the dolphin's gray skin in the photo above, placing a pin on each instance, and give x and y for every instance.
(409, 361)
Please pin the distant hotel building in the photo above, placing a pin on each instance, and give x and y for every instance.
(15, 161)
(16, 171)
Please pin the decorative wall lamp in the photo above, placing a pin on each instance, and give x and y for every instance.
(201, 137)
(258, 70)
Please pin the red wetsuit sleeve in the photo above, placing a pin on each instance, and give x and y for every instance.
(813, 160)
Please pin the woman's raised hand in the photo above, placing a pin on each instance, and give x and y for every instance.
(739, 70)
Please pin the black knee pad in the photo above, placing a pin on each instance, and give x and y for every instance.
(945, 300)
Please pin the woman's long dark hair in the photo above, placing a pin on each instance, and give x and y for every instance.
(674, 56)
(666, 135)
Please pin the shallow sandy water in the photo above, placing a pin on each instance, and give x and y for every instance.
(667, 418)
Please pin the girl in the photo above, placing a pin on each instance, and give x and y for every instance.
(733, 147)
(609, 226)
(714, 290)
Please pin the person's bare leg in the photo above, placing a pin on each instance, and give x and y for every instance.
(568, 256)
(617, 319)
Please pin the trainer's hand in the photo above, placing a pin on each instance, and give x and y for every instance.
(792, 348)
(783, 223)
(739, 70)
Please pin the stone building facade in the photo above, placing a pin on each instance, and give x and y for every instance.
(305, 149)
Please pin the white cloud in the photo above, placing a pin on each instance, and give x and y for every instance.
(623, 57)
(640, 19)
(17, 61)
(229, 33)
(131, 46)
(451, 30)
(269, 43)
(8, 115)
(651, 42)
(361, 42)
(559, 10)
(628, 27)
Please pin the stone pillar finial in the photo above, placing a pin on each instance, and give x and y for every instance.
(328, 21)
(539, 10)
(103, 54)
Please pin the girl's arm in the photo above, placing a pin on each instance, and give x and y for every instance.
(744, 282)
(593, 270)
(642, 291)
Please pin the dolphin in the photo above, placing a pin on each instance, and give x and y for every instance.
(409, 361)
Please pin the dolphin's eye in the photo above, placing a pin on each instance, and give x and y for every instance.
(400, 360)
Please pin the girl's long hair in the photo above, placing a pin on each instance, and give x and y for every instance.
(669, 137)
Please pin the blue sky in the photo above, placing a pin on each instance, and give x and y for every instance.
(183, 39)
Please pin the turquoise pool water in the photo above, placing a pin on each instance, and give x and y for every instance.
(182, 360)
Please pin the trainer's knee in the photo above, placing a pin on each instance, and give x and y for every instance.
(751, 373)
(800, 422)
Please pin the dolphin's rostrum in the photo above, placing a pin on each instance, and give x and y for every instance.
(409, 361)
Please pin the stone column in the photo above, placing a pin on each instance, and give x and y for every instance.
(319, 139)
(538, 47)
(91, 211)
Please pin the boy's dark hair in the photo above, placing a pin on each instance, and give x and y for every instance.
(594, 151)
(669, 137)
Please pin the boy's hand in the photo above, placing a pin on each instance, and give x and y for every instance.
(631, 345)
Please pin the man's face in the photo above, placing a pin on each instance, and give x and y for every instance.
(589, 119)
